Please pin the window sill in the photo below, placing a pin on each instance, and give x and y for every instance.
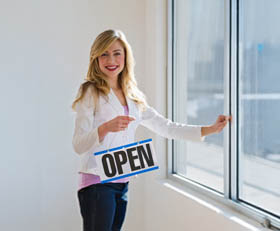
(220, 205)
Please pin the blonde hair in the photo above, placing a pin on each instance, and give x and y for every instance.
(97, 81)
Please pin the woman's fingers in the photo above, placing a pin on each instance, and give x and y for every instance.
(223, 118)
(120, 123)
(124, 121)
(124, 125)
(128, 118)
(131, 118)
(221, 122)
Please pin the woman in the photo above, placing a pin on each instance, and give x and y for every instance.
(109, 108)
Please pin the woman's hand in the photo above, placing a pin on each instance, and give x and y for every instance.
(221, 122)
(119, 123)
(217, 127)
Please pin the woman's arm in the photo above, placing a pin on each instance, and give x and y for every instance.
(172, 130)
(102, 132)
(154, 121)
(85, 136)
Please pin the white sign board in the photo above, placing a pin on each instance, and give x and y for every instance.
(126, 160)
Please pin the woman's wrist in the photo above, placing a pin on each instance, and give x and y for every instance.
(207, 130)
(102, 131)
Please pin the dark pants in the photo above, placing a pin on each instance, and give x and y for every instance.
(103, 206)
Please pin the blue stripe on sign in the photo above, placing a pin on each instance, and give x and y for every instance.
(99, 153)
(120, 147)
(114, 149)
(129, 145)
(145, 141)
(130, 174)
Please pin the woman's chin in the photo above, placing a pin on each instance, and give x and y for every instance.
(112, 76)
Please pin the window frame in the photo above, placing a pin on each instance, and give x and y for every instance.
(231, 73)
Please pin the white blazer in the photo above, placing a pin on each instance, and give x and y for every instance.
(86, 139)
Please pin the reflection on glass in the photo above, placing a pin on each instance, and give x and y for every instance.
(259, 91)
(198, 87)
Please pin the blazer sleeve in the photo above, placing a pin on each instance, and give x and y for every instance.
(152, 120)
(85, 135)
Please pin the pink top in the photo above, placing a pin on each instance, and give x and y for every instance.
(86, 179)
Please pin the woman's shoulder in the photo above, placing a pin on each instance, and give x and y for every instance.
(89, 94)
(89, 88)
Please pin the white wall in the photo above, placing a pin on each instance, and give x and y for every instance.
(44, 57)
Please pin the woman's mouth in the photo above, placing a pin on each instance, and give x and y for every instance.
(111, 68)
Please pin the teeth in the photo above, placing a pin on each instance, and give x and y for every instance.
(112, 68)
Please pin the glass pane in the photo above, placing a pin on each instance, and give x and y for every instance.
(259, 99)
(198, 87)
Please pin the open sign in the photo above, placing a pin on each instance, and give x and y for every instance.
(125, 161)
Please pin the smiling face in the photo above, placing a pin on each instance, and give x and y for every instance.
(112, 61)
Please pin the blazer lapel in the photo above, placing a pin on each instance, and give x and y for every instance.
(115, 103)
(130, 106)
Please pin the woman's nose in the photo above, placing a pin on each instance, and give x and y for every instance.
(111, 58)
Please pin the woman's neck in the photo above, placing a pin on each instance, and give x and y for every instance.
(114, 85)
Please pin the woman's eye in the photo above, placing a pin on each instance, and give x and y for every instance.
(105, 54)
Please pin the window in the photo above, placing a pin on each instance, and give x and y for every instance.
(224, 59)
(198, 85)
(259, 100)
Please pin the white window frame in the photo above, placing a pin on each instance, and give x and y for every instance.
(230, 195)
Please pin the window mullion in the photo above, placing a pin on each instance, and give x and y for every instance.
(170, 78)
(233, 192)
(227, 89)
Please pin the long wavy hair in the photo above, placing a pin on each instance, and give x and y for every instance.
(97, 81)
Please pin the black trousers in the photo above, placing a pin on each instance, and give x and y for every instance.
(103, 206)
